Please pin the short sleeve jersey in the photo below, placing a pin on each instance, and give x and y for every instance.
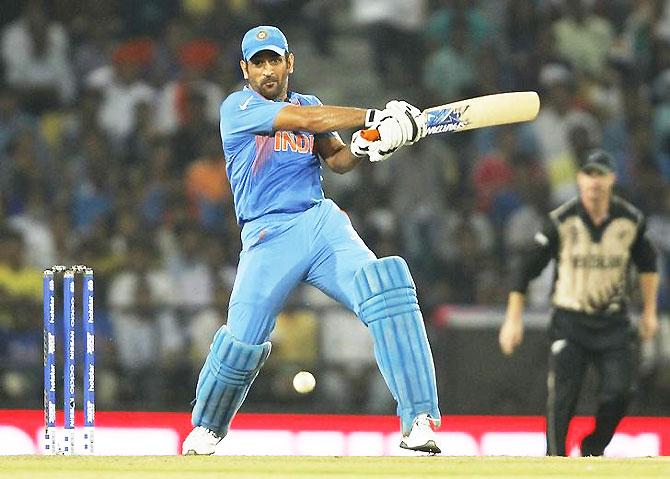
(592, 261)
(269, 171)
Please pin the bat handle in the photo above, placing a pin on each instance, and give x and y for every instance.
(370, 135)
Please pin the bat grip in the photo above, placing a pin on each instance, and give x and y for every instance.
(370, 135)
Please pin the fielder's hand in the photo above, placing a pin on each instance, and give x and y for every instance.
(511, 335)
(648, 325)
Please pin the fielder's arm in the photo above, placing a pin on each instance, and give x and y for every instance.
(645, 255)
(649, 318)
(511, 332)
(544, 248)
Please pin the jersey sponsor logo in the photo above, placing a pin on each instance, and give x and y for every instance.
(597, 261)
(245, 105)
(297, 143)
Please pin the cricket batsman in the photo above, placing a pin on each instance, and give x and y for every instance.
(274, 142)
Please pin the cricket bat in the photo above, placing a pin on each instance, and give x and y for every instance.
(478, 112)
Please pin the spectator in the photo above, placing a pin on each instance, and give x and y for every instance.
(560, 111)
(13, 120)
(36, 53)
(523, 31)
(207, 187)
(93, 184)
(33, 224)
(144, 326)
(393, 29)
(450, 71)
(94, 49)
(179, 98)
(27, 166)
(191, 136)
(122, 88)
(20, 302)
(583, 39)
(448, 13)
(659, 233)
(193, 282)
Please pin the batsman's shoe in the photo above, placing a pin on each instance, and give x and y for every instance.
(200, 442)
(421, 437)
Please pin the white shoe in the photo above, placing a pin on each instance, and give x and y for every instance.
(200, 442)
(421, 437)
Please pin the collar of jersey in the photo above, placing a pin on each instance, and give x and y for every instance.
(289, 95)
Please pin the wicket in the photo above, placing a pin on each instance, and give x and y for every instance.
(69, 362)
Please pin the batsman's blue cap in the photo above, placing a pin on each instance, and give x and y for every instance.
(600, 161)
(263, 37)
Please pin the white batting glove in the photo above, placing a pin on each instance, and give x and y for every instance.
(359, 146)
(402, 124)
(415, 114)
(373, 117)
(393, 130)
(375, 154)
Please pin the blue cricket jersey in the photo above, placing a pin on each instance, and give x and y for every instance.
(269, 171)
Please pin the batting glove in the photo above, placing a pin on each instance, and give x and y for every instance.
(418, 120)
(401, 124)
(376, 154)
(359, 146)
(373, 117)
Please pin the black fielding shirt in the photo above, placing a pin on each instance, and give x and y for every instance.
(591, 281)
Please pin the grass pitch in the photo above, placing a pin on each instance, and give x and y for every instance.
(166, 467)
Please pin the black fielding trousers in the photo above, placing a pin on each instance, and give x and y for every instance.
(569, 358)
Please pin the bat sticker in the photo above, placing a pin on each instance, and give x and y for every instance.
(448, 119)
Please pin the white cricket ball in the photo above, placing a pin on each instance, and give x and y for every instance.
(304, 382)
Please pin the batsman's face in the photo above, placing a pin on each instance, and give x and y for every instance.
(595, 185)
(267, 73)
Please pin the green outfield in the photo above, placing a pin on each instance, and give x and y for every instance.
(43, 467)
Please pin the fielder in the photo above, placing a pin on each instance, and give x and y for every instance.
(594, 240)
(274, 141)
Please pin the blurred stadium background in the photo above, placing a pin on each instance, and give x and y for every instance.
(110, 156)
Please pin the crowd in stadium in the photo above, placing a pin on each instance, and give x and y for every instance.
(110, 153)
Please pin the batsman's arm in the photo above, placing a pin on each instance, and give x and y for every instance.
(335, 154)
(322, 118)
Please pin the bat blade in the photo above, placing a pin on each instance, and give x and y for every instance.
(478, 112)
(483, 111)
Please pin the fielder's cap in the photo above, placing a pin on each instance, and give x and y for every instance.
(600, 161)
(263, 37)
